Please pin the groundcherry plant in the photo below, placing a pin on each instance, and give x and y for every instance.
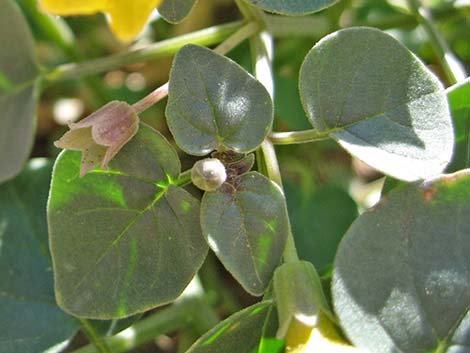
(115, 239)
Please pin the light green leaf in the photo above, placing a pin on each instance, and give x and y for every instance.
(214, 103)
(240, 333)
(247, 229)
(293, 7)
(175, 11)
(126, 240)
(459, 101)
(372, 95)
(18, 71)
(401, 280)
(30, 321)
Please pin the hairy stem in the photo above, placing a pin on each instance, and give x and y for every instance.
(164, 321)
(295, 137)
(262, 51)
(208, 36)
(451, 65)
(94, 337)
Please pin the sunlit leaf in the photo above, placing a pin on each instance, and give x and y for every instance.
(240, 333)
(402, 272)
(125, 240)
(293, 7)
(214, 103)
(247, 229)
(372, 95)
(459, 102)
(175, 11)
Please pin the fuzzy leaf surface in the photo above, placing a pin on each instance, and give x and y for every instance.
(247, 229)
(373, 96)
(401, 280)
(124, 240)
(293, 7)
(214, 103)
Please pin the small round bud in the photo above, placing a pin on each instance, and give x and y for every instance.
(208, 174)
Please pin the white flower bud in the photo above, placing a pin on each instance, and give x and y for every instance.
(208, 174)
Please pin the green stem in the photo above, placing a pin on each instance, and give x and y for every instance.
(164, 321)
(250, 29)
(451, 65)
(206, 37)
(295, 137)
(94, 337)
(261, 48)
(184, 179)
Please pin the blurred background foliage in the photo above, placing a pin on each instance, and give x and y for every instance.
(325, 188)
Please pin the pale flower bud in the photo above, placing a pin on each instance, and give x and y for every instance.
(208, 174)
(101, 135)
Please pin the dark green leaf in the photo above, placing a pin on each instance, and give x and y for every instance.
(126, 240)
(293, 7)
(30, 321)
(175, 11)
(401, 281)
(379, 102)
(459, 101)
(319, 221)
(240, 333)
(247, 229)
(18, 71)
(214, 103)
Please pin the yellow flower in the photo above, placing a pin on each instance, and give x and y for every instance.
(321, 338)
(101, 135)
(126, 17)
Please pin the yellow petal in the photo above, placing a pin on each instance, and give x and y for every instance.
(73, 7)
(323, 338)
(128, 17)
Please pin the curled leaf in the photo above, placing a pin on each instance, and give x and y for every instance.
(101, 135)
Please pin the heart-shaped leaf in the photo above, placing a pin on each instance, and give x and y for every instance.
(367, 91)
(459, 102)
(401, 281)
(293, 7)
(125, 240)
(30, 321)
(247, 229)
(18, 71)
(240, 333)
(175, 11)
(214, 103)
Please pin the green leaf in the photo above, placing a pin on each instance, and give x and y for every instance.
(401, 281)
(247, 229)
(18, 71)
(30, 321)
(175, 11)
(293, 7)
(240, 333)
(319, 221)
(459, 101)
(126, 240)
(213, 103)
(372, 95)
